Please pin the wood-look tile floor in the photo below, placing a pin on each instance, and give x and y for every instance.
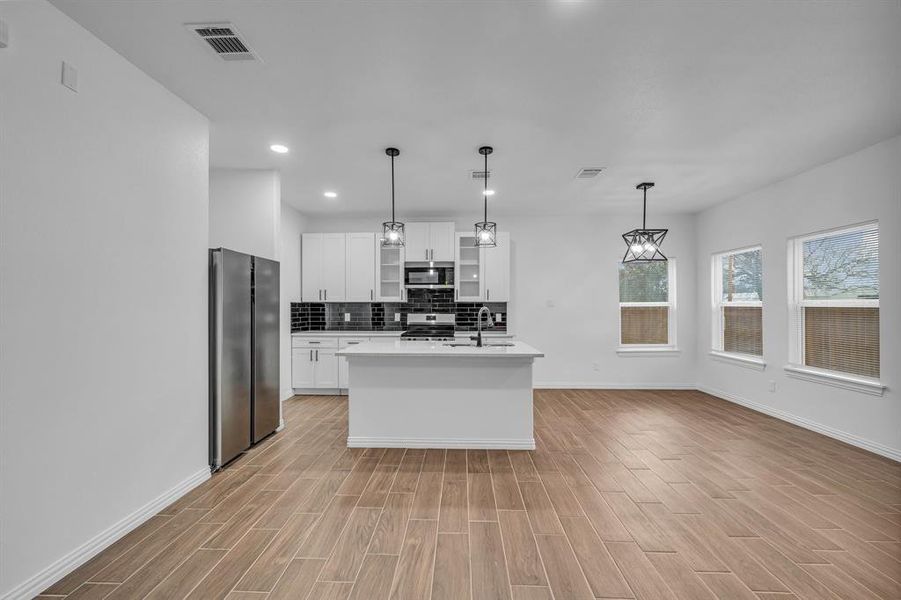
(638, 494)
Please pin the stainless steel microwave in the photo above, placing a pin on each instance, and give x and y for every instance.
(425, 277)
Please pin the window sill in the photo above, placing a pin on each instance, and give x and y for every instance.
(742, 360)
(864, 385)
(657, 351)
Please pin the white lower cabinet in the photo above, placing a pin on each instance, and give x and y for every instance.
(314, 364)
(302, 368)
(343, 380)
(325, 368)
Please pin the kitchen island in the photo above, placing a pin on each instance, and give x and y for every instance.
(409, 394)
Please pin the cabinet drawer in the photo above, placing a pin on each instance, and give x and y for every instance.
(314, 342)
(345, 342)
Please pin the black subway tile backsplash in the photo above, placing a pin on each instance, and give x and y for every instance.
(379, 316)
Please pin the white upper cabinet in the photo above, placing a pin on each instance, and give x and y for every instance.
(469, 268)
(430, 241)
(496, 275)
(482, 274)
(334, 253)
(322, 267)
(389, 273)
(360, 267)
(311, 267)
(441, 239)
(417, 241)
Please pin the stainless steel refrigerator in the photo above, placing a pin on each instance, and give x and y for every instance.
(244, 349)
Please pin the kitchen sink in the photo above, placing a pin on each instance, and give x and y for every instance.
(473, 344)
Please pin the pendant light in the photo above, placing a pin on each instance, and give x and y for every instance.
(643, 245)
(393, 230)
(486, 231)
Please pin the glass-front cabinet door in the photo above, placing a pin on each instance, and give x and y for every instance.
(389, 273)
(470, 269)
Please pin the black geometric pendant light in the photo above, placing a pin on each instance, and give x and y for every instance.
(486, 231)
(643, 245)
(392, 231)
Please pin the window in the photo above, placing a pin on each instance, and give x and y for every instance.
(835, 301)
(738, 302)
(646, 305)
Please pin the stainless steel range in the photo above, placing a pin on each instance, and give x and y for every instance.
(430, 327)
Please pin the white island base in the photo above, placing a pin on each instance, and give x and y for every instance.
(426, 395)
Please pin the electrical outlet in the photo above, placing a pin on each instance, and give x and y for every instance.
(347, 317)
(499, 317)
(549, 303)
(397, 317)
(69, 77)
(596, 366)
(772, 386)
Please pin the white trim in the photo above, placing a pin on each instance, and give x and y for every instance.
(742, 360)
(287, 393)
(647, 351)
(848, 438)
(38, 582)
(590, 385)
(281, 425)
(472, 444)
(864, 385)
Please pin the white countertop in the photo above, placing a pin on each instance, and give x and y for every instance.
(440, 350)
(347, 333)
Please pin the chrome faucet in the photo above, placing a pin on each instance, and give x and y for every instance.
(478, 337)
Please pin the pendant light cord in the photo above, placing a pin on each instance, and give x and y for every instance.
(392, 189)
(644, 212)
(485, 193)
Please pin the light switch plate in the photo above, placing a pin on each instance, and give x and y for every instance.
(397, 316)
(346, 317)
(499, 317)
(69, 77)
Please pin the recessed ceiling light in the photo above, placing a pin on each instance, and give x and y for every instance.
(488, 192)
(280, 148)
(330, 194)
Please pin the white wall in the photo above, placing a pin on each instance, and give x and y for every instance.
(292, 225)
(860, 187)
(103, 301)
(245, 211)
(572, 262)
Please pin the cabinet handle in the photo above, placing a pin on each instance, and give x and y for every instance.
(427, 254)
(371, 295)
(317, 356)
(326, 295)
(489, 294)
(311, 356)
(312, 342)
(320, 295)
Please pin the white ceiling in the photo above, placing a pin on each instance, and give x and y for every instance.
(707, 99)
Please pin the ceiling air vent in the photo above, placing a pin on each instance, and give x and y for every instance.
(223, 39)
(589, 172)
(480, 175)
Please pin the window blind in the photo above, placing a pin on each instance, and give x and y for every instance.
(738, 302)
(644, 294)
(838, 323)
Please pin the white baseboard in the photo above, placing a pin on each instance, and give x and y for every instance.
(286, 393)
(38, 582)
(590, 385)
(384, 442)
(837, 434)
